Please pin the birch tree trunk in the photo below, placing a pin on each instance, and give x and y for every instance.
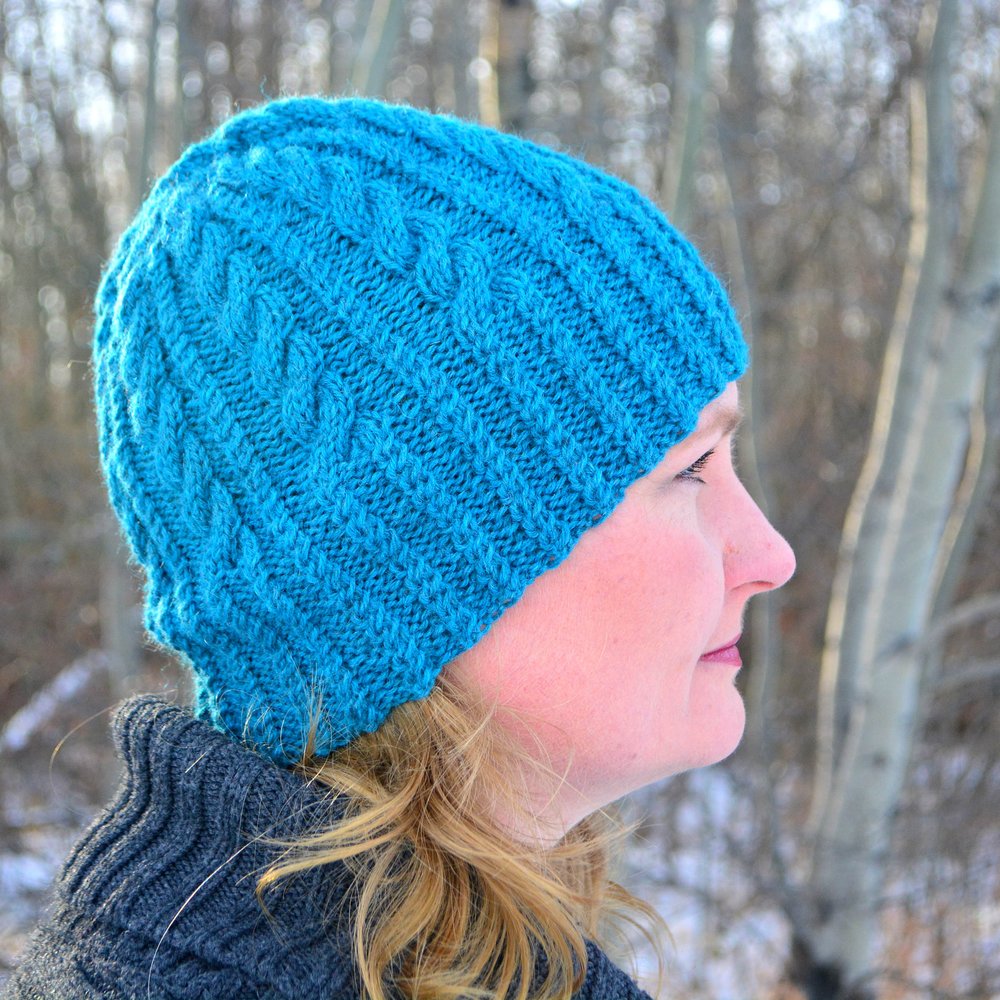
(677, 193)
(370, 72)
(340, 53)
(487, 91)
(514, 83)
(934, 215)
(938, 376)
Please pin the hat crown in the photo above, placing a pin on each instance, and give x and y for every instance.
(362, 373)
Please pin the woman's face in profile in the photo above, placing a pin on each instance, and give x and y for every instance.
(609, 654)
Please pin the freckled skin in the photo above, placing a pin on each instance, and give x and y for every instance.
(602, 652)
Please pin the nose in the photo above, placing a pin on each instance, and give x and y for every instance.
(757, 557)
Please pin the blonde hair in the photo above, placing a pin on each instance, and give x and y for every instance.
(448, 904)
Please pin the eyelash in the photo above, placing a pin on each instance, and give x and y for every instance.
(691, 472)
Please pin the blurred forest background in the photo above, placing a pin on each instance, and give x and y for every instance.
(838, 163)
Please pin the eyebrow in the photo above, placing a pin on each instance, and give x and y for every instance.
(724, 421)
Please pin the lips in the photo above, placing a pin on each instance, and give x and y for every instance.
(729, 653)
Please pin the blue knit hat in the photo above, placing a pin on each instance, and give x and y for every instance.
(362, 373)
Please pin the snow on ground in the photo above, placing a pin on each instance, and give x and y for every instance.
(48, 700)
(727, 943)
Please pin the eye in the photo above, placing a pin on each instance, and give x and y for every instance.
(691, 473)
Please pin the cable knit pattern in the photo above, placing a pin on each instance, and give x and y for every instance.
(156, 901)
(362, 373)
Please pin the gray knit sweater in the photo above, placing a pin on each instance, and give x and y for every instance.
(156, 900)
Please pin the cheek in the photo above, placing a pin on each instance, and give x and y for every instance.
(670, 595)
(619, 625)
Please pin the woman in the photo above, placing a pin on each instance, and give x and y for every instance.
(423, 436)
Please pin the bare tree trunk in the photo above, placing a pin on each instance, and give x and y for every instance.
(982, 470)
(41, 401)
(677, 192)
(737, 125)
(188, 58)
(8, 499)
(142, 174)
(464, 47)
(947, 360)
(593, 111)
(89, 206)
(370, 73)
(514, 83)
(489, 51)
(975, 322)
(266, 21)
(934, 215)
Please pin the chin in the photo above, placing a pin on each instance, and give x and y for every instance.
(736, 738)
(725, 736)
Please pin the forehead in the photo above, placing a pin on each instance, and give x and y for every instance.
(720, 417)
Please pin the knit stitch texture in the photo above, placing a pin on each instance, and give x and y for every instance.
(362, 373)
(156, 901)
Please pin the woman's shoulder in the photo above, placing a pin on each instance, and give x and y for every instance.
(157, 898)
(606, 981)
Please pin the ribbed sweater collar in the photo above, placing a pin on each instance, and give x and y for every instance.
(172, 863)
(174, 859)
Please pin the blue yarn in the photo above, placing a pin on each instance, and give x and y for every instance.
(362, 373)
